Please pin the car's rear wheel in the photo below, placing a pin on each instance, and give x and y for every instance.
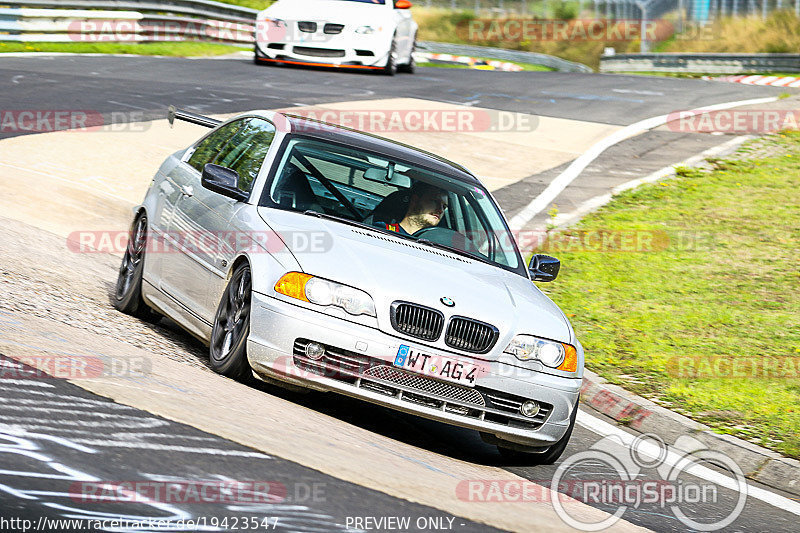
(548, 457)
(128, 291)
(228, 347)
(391, 63)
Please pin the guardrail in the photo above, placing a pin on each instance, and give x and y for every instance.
(199, 8)
(501, 53)
(79, 25)
(701, 63)
(177, 20)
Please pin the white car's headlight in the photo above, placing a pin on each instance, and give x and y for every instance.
(366, 30)
(323, 292)
(550, 353)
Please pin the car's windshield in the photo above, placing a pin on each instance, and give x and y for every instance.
(394, 196)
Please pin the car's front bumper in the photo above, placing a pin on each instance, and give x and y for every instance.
(321, 55)
(359, 363)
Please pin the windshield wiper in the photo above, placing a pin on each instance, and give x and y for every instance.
(312, 213)
(420, 240)
(453, 249)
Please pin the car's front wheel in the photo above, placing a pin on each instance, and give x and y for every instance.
(391, 63)
(548, 457)
(228, 347)
(128, 291)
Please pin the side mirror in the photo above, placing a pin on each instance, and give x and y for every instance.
(402, 4)
(223, 181)
(544, 267)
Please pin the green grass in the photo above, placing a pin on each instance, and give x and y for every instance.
(182, 49)
(253, 4)
(526, 67)
(779, 32)
(731, 289)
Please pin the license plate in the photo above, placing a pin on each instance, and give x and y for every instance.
(436, 366)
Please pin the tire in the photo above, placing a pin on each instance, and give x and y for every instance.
(128, 291)
(228, 346)
(391, 63)
(548, 457)
(411, 66)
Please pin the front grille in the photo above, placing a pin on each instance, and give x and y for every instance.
(333, 29)
(421, 383)
(417, 321)
(470, 335)
(318, 52)
(365, 53)
(306, 26)
(364, 372)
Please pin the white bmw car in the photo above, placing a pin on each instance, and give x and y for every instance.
(357, 34)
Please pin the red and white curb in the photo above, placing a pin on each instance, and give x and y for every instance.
(760, 79)
(466, 60)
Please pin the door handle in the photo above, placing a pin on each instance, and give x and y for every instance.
(187, 191)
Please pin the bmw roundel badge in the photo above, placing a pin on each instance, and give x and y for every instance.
(447, 301)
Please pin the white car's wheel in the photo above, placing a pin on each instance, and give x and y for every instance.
(391, 63)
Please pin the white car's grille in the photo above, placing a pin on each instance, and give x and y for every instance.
(423, 384)
(333, 29)
(364, 372)
(318, 52)
(417, 321)
(307, 26)
(470, 335)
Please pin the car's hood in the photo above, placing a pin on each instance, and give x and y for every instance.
(328, 10)
(391, 268)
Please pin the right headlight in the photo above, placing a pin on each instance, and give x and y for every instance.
(365, 30)
(558, 355)
(324, 292)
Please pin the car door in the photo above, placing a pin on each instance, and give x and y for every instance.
(206, 244)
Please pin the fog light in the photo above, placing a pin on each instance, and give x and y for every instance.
(529, 408)
(315, 351)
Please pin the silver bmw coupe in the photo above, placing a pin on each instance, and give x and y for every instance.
(315, 256)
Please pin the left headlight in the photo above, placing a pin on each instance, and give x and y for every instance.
(324, 292)
(558, 355)
(366, 30)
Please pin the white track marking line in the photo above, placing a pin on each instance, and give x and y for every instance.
(605, 429)
(561, 181)
(563, 219)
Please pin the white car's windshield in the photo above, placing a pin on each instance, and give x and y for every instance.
(390, 195)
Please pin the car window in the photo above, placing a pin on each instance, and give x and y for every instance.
(209, 147)
(246, 150)
(371, 189)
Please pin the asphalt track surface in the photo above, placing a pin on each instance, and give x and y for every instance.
(146, 86)
(149, 85)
